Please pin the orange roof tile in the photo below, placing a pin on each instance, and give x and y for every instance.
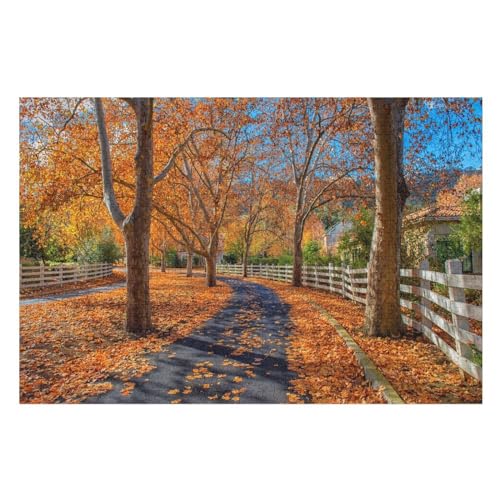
(434, 213)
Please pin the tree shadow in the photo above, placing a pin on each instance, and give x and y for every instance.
(242, 347)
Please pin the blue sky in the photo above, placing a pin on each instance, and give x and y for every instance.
(455, 140)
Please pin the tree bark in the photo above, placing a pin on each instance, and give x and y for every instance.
(297, 255)
(162, 261)
(383, 310)
(189, 265)
(245, 259)
(137, 226)
(138, 304)
(211, 278)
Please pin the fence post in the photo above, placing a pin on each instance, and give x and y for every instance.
(330, 276)
(350, 283)
(454, 266)
(42, 274)
(316, 281)
(425, 303)
(60, 273)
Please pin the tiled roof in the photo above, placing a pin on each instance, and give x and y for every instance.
(434, 213)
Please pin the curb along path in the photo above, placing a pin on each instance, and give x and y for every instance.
(372, 373)
(238, 356)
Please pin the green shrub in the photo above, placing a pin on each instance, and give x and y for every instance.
(468, 233)
(354, 245)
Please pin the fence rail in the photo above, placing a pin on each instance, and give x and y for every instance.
(41, 276)
(444, 320)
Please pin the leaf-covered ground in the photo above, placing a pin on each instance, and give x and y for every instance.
(326, 370)
(72, 349)
(68, 348)
(418, 370)
(237, 356)
(31, 293)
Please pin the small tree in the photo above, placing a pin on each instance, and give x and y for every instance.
(107, 248)
(28, 245)
(414, 248)
(469, 232)
(311, 252)
(354, 245)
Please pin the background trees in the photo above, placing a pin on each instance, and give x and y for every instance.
(321, 145)
(204, 178)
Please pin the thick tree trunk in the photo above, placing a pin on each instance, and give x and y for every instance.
(211, 279)
(137, 226)
(138, 304)
(162, 261)
(245, 259)
(189, 265)
(383, 311)
(297, 255)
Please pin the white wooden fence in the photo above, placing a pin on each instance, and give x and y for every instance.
(431, 312)
(40, 276)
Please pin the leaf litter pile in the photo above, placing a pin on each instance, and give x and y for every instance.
(69, 348)
(416, 368)
(31, 293)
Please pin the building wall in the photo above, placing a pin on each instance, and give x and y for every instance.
(333, 235)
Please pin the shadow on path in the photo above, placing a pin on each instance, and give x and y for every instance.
(236, 356)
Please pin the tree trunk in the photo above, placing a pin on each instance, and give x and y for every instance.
(137, 226)
(383, 310)
(297, 255)
(211, 270)
(162, 261)
(245, 259)
(189, 265)
(138, 305)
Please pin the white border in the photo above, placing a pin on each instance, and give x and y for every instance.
(222, 48)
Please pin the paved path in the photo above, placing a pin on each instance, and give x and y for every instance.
(238, 356)
(71, 295)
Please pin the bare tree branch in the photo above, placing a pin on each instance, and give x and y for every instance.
(107, 173)
(171, 162)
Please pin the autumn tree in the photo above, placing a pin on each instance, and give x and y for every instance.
(320, 144)
(441, 136)
(159, 241)
(65, 156)
(255, 195)
(440, 132)
(204, 179)
(167, 232)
